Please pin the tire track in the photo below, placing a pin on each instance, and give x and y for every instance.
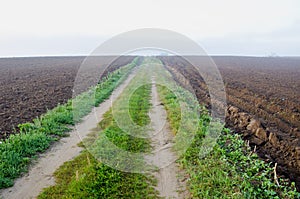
(162, 156)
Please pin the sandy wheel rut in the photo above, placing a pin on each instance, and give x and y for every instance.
(162, 155)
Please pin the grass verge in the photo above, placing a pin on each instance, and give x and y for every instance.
(231, 170)
(18, 150)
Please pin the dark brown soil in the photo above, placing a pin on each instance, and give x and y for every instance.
(31, 86)
(263, 97)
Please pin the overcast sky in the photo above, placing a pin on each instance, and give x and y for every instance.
(224, 27)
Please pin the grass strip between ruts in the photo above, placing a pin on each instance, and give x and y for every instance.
(86, 177)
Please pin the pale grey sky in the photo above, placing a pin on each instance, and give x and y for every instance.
(235, 27)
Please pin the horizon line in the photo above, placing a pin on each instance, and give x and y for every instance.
(86, 55)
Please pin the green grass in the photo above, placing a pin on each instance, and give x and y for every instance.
(87, 177)
(17, 151)
(172, 107)
(210, 177)
(230, 170)
(139, 105)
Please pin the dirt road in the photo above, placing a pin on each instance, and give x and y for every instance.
(162, 156)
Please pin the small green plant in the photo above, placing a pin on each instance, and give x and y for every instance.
(258, 176)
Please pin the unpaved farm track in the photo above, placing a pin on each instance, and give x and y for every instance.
(263, 95)
(41, 173)
(31, 86)
(163, 157)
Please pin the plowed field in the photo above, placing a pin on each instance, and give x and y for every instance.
(31, 86)
(263, 97)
